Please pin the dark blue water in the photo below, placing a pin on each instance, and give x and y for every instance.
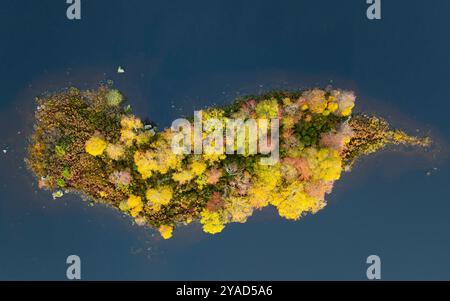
(180, 55)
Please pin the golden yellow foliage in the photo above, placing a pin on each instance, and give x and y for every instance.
(293, 201)
(267, 109)
(238, 209)
(115, 151)
(160, 161)
(127, 136)
(332, 106)
(211, 221)
(212, 157)
(159, 196)
(134, 204)
(183, 177)
(345, 101)
(143, 138)
(316, 100)
(325, 163)
(131, 122)
(267, 178)
(198, 168)
(166, 231)
(95, 146)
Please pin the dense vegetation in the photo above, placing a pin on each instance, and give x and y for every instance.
(90, 142)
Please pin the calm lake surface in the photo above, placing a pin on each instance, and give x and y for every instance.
(183, 55)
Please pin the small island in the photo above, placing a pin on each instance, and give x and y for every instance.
(89, 142)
